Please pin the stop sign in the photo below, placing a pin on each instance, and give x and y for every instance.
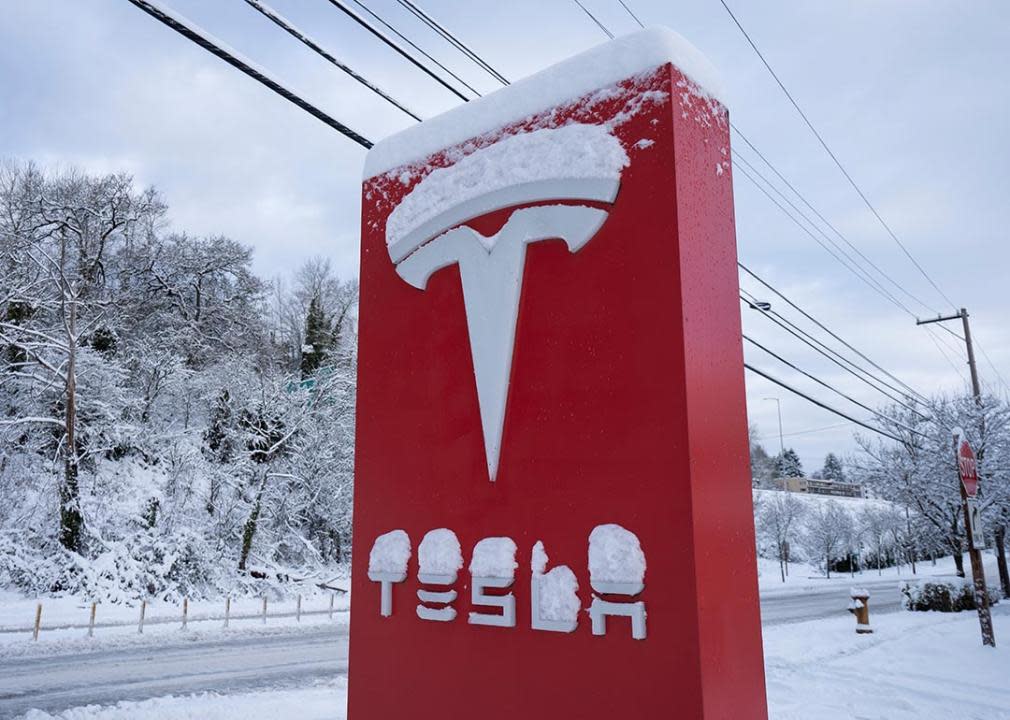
(967, 468)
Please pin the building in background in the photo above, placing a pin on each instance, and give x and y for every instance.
(819, 487)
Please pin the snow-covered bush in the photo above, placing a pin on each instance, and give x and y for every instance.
(940, 596)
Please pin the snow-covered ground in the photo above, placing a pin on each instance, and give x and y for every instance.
(917, 666)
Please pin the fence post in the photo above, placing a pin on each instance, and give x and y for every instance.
(331, 606)
(298, 609)
(264, 609)
(227, 610)
(38, 622)
(143, 610)
(91, 621)
(185, 612)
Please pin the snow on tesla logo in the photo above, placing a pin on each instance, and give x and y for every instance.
(616, 570)
(425, 233)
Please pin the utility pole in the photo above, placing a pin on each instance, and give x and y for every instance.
(976, 388)
(977, 568)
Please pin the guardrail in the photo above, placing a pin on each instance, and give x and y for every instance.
(183, 618)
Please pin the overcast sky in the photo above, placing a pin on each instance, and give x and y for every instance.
(912, 96)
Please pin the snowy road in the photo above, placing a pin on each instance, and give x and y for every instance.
(814, 602)
(238, 663)
(829, 601)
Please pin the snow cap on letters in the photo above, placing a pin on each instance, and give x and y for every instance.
(390, 553)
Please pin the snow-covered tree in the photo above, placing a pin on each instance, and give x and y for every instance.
(833, 469)
(829, 533)
(881, 528)
(155, 430)
(762, 466)
(787, 464)
(778, 524)
(920, 472)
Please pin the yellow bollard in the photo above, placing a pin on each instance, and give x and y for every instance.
(859, 606)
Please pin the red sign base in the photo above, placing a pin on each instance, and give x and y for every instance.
(625, 405)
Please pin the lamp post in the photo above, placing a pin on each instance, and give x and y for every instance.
(763, 306)
(782, 444)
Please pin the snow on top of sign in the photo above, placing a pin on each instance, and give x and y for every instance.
(571, 152)
(615, 556)
(390, 553)
(439, 553)
(580, 75)
(558, 589)
(957, 432)
(494, 557)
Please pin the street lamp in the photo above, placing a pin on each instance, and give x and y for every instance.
(782, 444)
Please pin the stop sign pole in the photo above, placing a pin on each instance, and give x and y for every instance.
(967, 470)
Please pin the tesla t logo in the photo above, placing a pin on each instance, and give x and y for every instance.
(425, 233)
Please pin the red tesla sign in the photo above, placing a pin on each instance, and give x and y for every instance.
(967, 468)
(552, 503)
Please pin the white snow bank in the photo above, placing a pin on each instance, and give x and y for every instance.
(494, 557)
(390, 553)
(615, 556)
(911, 668)
(569, 80)
(439, 553)
(558, 589)
(575, 151)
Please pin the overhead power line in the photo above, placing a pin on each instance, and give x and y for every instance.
(592, 17)
(847, 262)
(826, 329)
(825, 384)
(632, 14)
(453, 40)
(403, 53)
(833, 356)
(414, 45)
(282, 23)
(992, 365)
(844, 260)
(818, 403)
(233, 58)
(834, 157)
(807, 432)
(901, 288)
